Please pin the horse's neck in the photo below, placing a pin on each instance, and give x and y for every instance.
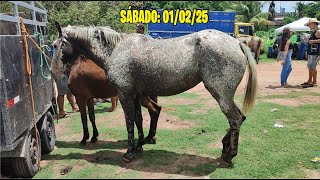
(78, 59)
(97, 51)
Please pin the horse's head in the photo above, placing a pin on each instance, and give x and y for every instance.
(63, 50)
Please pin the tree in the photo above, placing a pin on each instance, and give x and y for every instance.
(272, 11)
(299, 9)
(290, 17)
(250, 12)
(311, 10)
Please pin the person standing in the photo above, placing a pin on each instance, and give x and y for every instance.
(114, 102)
(304, 44)
(286, 49)
(269, 45)
(294, 40)
(278, 42)
(313, 51)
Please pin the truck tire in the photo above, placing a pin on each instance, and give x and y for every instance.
(48, 136)
(27, 166)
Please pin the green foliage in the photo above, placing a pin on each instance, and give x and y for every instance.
(311, 10)
(299, 8)
(94, 13)
(290, 17)
(249, 11)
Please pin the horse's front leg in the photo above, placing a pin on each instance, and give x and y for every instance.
(138, 121)
(81, 101)
(94, 138)
(127, 103)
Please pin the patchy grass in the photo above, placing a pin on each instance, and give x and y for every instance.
(264, 151)
(292, 94)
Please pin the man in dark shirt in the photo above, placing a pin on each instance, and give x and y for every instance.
(313, 52)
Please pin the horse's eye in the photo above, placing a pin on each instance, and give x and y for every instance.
(55, 46)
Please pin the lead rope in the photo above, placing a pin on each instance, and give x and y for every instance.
(29, 72)
(41, 56)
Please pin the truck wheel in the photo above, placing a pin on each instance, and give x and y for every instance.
(48, 136)
(27, 166)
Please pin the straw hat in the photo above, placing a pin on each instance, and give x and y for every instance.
(312, 20)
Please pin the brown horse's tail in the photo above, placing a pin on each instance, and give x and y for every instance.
(251, 89)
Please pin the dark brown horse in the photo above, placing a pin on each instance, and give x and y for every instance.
(87, 81)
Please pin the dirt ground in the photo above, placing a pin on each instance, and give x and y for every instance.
(269, 83)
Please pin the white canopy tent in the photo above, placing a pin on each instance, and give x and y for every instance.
(297, 25)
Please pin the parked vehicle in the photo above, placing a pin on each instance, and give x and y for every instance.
(219, 20)
(23, 137)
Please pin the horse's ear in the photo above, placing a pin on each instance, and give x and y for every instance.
(58, 28)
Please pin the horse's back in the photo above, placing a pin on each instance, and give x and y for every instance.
(170, 66)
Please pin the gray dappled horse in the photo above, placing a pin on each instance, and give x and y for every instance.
(138, 65)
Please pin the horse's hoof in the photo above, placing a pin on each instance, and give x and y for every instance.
(226, 159)
(139, 149)
(127, 157)
(223, 164)
(83, 142)
(149, 140)
(94, 140)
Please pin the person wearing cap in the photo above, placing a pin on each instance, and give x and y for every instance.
(313, 51)
(140, 30)
(286, 49)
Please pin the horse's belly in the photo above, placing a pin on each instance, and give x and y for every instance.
(169, 85)
(103, 90)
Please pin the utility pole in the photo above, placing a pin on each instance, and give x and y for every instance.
(280, 7)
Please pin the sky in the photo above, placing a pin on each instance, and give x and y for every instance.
(289, 5)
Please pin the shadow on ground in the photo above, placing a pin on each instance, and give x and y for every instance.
(100, 144)
(152, 161)
(288, 87)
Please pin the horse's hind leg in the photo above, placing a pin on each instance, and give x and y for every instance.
(138, 121)
(93, 121)
(154, 115)
(235, 119)
(82, 107)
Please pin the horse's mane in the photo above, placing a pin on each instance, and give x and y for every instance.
(91, 34)
(96, 42)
